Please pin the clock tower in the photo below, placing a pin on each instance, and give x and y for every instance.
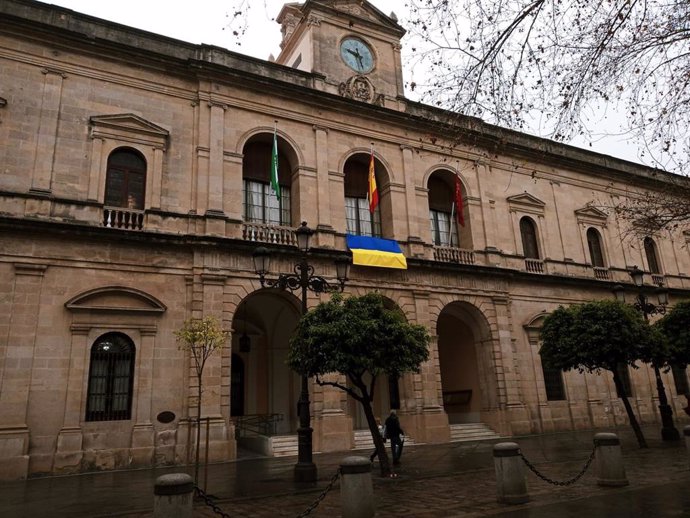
(350, 43)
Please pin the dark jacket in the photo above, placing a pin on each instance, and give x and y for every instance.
(393, 429)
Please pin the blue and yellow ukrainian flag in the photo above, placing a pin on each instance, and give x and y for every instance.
(374, 251)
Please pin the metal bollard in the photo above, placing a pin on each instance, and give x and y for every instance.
(511, 484)
(173, 496)
(686, 433)
(609, 460)
(356, 488)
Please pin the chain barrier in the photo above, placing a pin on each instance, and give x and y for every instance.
(319, 498)
(557, 482)
(217, 510)
(209, 502)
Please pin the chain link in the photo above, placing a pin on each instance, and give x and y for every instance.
(318, 500)
(557, 482)
(217, 510)
(209, 502)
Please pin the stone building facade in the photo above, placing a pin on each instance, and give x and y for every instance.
(134, 189)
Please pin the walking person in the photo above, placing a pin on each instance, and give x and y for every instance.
(394, 432)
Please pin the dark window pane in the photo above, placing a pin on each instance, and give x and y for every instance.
(553, 383)
(650, 252)
(594, 244)
(680, 379)
(528, 232)
(624, 375)
(125, 180)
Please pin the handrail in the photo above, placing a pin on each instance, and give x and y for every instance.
(258, 424)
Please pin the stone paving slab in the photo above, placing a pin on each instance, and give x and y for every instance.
(450, 480)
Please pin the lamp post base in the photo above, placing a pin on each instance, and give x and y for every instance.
(305, 472)
(668, 431)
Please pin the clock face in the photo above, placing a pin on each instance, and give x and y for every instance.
(357, 55)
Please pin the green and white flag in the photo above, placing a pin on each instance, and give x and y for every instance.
(274, 166)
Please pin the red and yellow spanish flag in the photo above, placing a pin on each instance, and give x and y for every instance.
(373, 194)
(459, 206)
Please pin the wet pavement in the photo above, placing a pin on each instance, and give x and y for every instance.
(450, 480)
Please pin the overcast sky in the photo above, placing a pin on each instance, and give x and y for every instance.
(202, 21)
(206, 21)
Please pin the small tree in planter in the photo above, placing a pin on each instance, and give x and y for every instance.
(201, 337)
(598, 335)
(353, 337)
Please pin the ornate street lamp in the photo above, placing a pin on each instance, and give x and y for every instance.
(647, 308)
(302, 279)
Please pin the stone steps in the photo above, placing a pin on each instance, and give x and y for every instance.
(363, 440)
(471, 432)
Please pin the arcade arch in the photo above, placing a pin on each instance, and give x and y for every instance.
(261, 383)
(468, 376)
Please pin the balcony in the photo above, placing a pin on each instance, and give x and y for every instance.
(534, 265)
(658, 279)
(601, 274)
(263, 233)
(128, 219)
(451, 254)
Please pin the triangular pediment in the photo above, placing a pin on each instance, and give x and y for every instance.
(354, 9)
(526, 198)
(130, 122)
(127, 127)
(591, 213)
(115, 299)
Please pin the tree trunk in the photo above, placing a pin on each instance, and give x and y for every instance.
(198, 433)
(631, 415)
(378, 440)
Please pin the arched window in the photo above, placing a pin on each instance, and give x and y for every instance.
(528, 232)
(111, 374)
(443, 229)
(652, 256)
(595, 251)
(261, 205)
(125, 179)
(360, 221)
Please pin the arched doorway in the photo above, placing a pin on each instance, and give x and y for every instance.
(263, 390)
(467, 377)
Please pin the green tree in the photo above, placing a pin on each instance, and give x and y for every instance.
(201, 337)
(595, 336)
(359, 338)
(675, 326)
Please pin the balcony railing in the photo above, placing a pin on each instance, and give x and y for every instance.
(534, 265)
(262, 233)
(658, 279)
(128, 219)
(602, 274)
(450, 254)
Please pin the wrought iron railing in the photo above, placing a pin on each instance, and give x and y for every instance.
(253, 424)
(263, 233)
(129, 219)
(451, 254)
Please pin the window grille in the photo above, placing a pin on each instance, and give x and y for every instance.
(111, 373)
